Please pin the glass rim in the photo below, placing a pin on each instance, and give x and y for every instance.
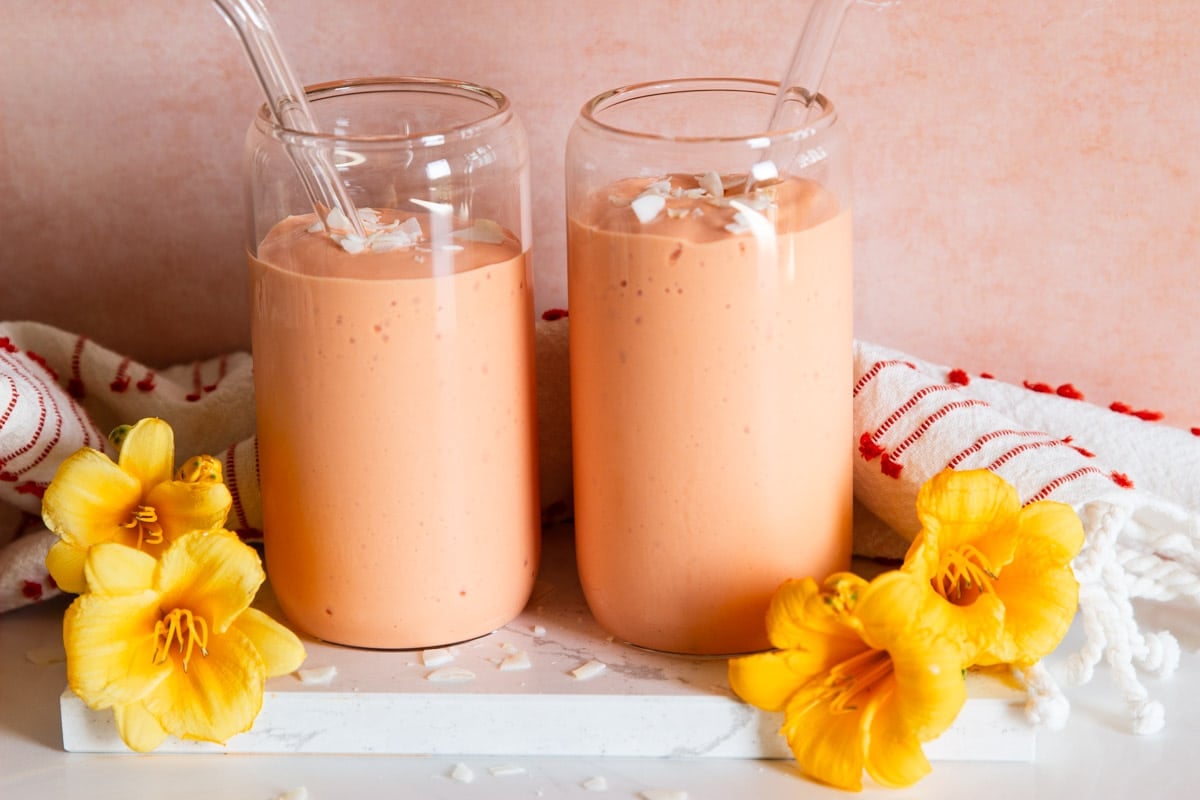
(638, 91)
(498, 110)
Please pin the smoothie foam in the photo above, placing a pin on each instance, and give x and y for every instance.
(404, 516)
(711, 369)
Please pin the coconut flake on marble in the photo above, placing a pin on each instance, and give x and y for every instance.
(299, 793)
(317, 676)
(589, 670)
(506, 770)
(596, 783)
(516, 662)
(462, 773)
(663, 794)
(451, 675)
(436, 657)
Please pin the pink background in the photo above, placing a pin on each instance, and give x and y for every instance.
(1027, 172)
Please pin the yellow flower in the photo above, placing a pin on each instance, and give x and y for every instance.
(981, 551)
(134, 501)
(172, 645)
(861, 675)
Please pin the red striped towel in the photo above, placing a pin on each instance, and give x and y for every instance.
(60, 392)
(1135, 484)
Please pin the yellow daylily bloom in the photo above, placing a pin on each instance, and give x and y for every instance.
(982, 551)
(171, 645)
(862, 674)
(134, 501)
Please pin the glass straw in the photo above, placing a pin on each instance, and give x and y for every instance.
(289, 108)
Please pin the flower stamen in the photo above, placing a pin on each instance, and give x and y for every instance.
(963, 573)
(185, 627)
(856, 677)
(841, 597)
(145, 519)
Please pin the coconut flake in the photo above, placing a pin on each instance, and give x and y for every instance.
(506, 770)
(663, 794)
(335, 220)
(411, 227)
(436, 657)
(317, 676)
(352, 244)
(740, 224)
(589, 670)
(710, 182)
(647, 207)
(451, 675)
(516, 662)
(462, 773)
(596, 783)
(538, 630)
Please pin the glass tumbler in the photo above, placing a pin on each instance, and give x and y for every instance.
(393, 370)
(711, 358)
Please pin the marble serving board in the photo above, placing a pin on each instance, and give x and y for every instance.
(552, 682)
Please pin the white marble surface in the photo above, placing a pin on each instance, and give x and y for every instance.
(638, 704)
(1095, 756)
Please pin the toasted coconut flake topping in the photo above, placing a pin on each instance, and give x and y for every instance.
(683, 201)
(710, 182)
(648, 207)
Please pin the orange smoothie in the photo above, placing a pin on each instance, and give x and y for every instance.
(711, 370)
(396, 433)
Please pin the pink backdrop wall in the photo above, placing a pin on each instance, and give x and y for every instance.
(1027, 172)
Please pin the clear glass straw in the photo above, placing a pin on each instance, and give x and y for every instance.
(289, 107)
(810, 58)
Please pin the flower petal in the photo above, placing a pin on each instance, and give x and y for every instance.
(894, 756)
(113, 569)
(213, 574)
(1038, 589)
(109, 643)
(148, 452)
(810, 616)
(217, 697)
(185, 507)
(768, 680)
(138, 728)
(281, 650)
(89, 498)
(65, 562)
(1056, 529)
(929, 647)
(966, 506)
(828, 746)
